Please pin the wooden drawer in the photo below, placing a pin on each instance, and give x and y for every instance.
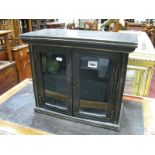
(8, 76)
(3, 55)
(26, 68)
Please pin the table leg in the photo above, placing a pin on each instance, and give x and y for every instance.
(8, 47)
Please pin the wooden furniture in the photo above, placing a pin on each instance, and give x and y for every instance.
(8, 73)
(7, 24)
(19, 52)
(56, 25)
(70, 26)
(147, 62)
(91, 25)
(14, 25)
(17, 32)
(30, 25)
(5, 35)
(8, 76)
(22, 58)
(3, 54)
(135, 26)
(113, 25)
(80, 75)
(148, 28)
(135, 80)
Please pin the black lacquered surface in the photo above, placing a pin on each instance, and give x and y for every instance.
(87, 84)
(113, 37)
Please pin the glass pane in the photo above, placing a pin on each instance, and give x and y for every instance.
(95, 75)
(54, 69)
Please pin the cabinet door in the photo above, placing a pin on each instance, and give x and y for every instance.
(55, 72)
(94, 81)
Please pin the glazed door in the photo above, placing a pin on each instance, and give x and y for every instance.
(93, 86)
(55, 71)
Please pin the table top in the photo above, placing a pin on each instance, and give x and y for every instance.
(138, 114)
(19, 47)
(4, 32)
(4, 64)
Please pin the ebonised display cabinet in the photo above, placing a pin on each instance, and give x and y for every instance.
(79, 75)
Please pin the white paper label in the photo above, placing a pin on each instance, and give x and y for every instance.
(58, 58)
(92, 64)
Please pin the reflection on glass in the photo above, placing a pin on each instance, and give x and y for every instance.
(55, 79)
(94, 83)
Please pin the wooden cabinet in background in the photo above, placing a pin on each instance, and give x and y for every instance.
(8, 76)
(22, 58)
(3, 54)
(56, 25)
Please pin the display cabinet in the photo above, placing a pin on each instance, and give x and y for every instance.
(80, 75)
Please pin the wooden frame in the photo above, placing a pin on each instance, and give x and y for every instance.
(138, 87)
(76, 59)
(49, 49)
(147, 61)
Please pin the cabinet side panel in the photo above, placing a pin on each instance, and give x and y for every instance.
(34, 74)
(120, 85)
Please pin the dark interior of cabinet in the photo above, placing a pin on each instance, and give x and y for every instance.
(55, 79)
(93, 82)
